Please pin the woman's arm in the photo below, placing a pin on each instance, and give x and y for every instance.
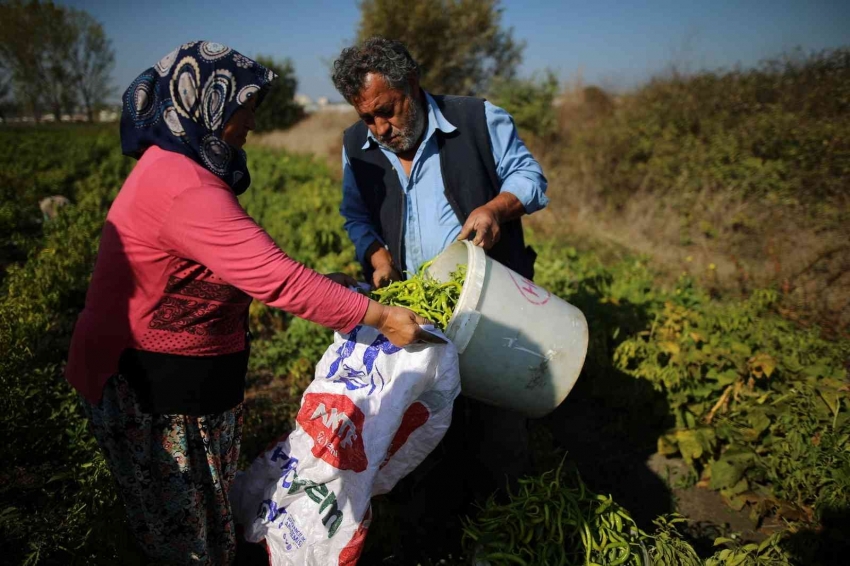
(208, 225)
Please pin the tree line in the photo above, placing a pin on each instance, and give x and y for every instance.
(57, 59)
(53, 60)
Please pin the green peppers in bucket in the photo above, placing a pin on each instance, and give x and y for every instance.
(424, 295)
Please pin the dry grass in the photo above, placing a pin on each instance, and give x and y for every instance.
(729, 244)
(732, 245)
(319, 134)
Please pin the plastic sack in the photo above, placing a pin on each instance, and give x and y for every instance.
(370, 416)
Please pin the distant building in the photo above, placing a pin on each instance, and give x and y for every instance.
(321, 104)
(304, 101)
(109, 115)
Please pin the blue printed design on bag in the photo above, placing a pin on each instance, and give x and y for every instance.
(354, 379)
(381, 344)
(344, 352)
(270, 508)
(288, 467)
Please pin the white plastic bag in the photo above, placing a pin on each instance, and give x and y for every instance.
(370, 416)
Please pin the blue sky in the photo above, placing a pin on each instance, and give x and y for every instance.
(614, 44)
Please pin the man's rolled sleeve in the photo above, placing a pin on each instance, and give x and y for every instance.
(358, 221)
(520, 173)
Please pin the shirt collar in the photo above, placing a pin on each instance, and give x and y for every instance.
(436, 121)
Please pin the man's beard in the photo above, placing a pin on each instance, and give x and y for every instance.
(405, 140)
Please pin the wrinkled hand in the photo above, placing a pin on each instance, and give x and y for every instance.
(401, 326)
(484, 222)
(384, 275)
(342, 279)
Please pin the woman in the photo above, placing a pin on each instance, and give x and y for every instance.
(160, 351)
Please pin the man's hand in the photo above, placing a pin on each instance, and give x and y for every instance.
(385, 271)
(342, 279)
(485, 220)
(384, 275)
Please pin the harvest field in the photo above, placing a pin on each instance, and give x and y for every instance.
(755, 406)
(689, 390)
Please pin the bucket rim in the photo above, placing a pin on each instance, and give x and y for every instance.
(465, 317)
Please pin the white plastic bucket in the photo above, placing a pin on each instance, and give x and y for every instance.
(520, 346)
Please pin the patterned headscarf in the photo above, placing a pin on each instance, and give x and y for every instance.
(182, 103)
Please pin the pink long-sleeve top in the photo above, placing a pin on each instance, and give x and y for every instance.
(178, 265)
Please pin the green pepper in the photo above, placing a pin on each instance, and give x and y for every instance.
(424, 295)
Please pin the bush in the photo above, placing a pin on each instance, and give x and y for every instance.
(279, 110)
(530, 103)
(58, 495)
(774, 132)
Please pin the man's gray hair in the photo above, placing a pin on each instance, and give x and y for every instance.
(386, 57)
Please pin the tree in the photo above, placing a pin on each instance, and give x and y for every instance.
(458, 43)
(92, 58)
(56, 56)
(56, 35)
(20, 51)
(279, 109)
(5, 90)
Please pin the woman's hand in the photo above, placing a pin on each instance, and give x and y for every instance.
(401, 326)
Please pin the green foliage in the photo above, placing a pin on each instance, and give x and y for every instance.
(756, 401)
(57, 493)
(459, 44)
(756, 405)
(279, 110)
(767, 553)
(773, 132)
(529, 102)
(555, 519)
(35, 164)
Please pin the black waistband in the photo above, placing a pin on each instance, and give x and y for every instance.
(185, 385)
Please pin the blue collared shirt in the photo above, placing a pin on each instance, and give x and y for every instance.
(430, 224)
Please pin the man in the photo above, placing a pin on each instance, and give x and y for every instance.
(419, 172)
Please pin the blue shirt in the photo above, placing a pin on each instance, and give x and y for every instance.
(430, 224)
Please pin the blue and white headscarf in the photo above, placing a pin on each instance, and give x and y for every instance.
(182, 103)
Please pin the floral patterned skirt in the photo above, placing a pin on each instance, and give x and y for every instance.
(173, 474)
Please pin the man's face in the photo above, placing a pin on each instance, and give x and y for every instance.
(395, 118)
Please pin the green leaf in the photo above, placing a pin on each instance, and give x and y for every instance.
(832, 400)
(694, 443)
(741, 348)
(759, 421)
(816, 371)
(726, 473)
(689, 445)
(727, 377)
(736, 502)
(667, 445)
